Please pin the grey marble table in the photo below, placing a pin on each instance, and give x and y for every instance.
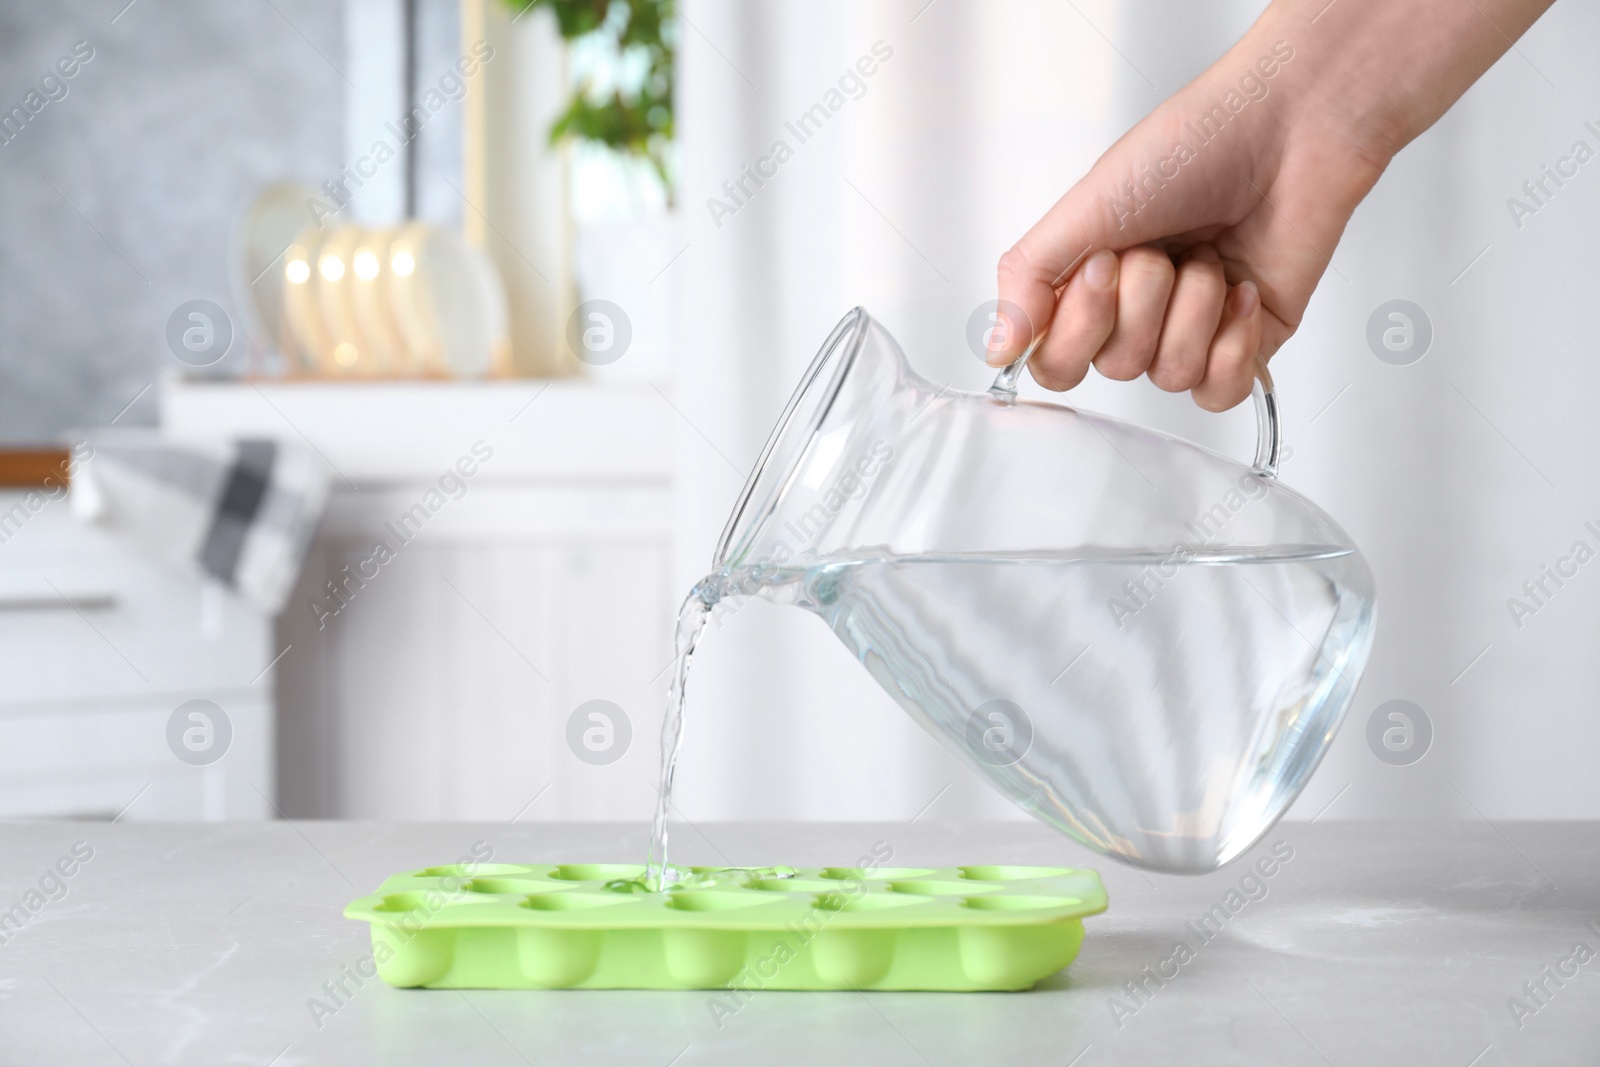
(1368, 944)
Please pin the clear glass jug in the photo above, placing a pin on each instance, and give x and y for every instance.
(1145, 644)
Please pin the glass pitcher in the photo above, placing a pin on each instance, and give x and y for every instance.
(1146, 644)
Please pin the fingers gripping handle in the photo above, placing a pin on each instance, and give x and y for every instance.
(1269, 432)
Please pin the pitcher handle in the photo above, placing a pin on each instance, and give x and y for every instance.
(1269, 432)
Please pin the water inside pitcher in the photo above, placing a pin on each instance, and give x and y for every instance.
(1145, 644)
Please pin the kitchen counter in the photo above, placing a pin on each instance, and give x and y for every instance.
(1367, 944)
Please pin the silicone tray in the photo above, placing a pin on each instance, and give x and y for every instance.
(505, 926)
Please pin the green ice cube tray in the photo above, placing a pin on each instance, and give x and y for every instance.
(509, 926)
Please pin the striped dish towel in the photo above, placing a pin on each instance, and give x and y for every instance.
(240, 512)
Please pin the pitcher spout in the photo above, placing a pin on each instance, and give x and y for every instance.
(835, 436)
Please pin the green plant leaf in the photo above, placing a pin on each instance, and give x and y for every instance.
(637, 123)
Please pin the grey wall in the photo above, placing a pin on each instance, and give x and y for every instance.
(164, 136)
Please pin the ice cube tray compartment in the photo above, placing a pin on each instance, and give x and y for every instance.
(575, 926)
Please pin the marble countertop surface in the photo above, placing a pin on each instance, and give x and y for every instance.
(1459, 944)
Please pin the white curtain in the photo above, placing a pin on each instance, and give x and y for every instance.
(1459, 475)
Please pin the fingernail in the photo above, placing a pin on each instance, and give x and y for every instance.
(1101, 270)
(1245, 299)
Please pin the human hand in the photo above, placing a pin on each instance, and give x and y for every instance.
(1192, 247)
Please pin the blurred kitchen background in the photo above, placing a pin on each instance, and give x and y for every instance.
(537, 369)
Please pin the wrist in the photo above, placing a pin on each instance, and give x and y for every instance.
(1333, 86)
(1360, 73)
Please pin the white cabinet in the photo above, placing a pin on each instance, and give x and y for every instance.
(435, 678)
(99, 646)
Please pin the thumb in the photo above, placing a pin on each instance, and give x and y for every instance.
(1106, 209)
